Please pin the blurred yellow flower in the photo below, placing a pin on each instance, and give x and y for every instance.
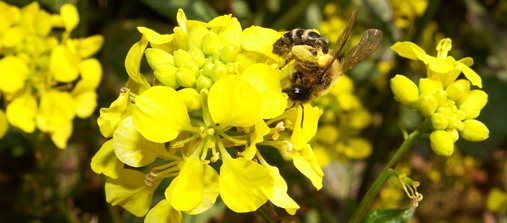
(39, 68)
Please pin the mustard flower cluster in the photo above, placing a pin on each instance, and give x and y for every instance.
(47, 78)
(338, 136)
(201, 122)
(451, 104)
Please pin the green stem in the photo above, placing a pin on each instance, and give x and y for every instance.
(372, 192)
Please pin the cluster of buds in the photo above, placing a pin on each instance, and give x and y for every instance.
(203, 121)
(48, 78)
(451, 104)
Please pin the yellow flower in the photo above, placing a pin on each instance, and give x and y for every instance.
(35, 62)
(215, 97)
(449, 103)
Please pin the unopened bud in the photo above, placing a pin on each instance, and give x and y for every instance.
(203, 82)
(439, 121)
(166, 74)
(473, 105)
(185, 77)
(475, 131)
(156, 57)
(458, 90)
(427, 105)
(405, 91)
(441, 142)
(210, 43)
(182, 58)
(191, 98)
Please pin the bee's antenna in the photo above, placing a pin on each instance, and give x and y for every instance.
(342, 39)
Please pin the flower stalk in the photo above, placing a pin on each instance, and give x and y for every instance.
(387, 172)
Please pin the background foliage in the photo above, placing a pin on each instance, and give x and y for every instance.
(40, 183)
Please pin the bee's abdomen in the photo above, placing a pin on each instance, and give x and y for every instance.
(298, 36)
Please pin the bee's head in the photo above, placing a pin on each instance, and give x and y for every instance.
(298, 93)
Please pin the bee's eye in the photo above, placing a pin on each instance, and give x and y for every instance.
(298, 93)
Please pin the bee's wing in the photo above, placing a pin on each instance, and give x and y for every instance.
(370, 40)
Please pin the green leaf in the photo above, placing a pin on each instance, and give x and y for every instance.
(390, 215)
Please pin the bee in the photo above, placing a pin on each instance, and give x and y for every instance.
(315, 70)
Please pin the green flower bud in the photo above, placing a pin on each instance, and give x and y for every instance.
(475, 131)
(191, 98)
(427, 105)
(207, 69)
(166, 74)
(195, 36)
(156, 57)
(203, 82)
(182, 58)
(197, 56)
(441, 142)
(219, 71)
(405, 91)
(458, 90)
(228, 53)
(210, 43)
(185, 77)
(439, 121)
(473, 105)
(428, 86)
(180, 38)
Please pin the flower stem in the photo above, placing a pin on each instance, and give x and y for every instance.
(387, 172)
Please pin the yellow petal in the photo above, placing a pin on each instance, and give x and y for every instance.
(133, 149)
(56, 109)
(21, 112)
(154, 37)
(13, 73)
(245, 185)
(261, 129)
(133, 60)
(105, 161)
(91, 72)
(85, 103)
(195, 188)
(69, 16)
(266, 80)
(303, 133)
(60, 135)
(88, 46)
(110, 117)
(260, 40)
(233, 101)
(305, 161)
(64, 64)
(280, 197)
(130, 192)
(408, 49)
(471, 75)
(163, 212)
(160, 114)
